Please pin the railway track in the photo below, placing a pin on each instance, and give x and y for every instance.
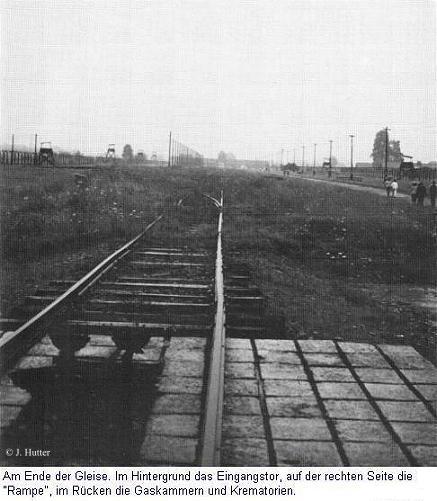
(165, 355)
(147, 321)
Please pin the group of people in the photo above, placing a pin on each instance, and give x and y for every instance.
(418, 191)
(391, 187)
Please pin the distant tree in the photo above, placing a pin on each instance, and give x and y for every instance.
(128, 153)
(378, 153)
(222, 157)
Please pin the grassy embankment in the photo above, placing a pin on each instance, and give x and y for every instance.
(335, 263)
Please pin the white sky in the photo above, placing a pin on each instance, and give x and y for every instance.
(250, 77)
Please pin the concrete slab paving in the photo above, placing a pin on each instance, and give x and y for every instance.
(345, 395)
(243, 426)
(342, 391)
(375, 454)
(248, 387)
(291, 428)
(381, 391)
(401, 411)
(317, 345)
(282, 371)
(244, 452)
(361, 431)
(416, 433)
(236, 404)
(306, 453)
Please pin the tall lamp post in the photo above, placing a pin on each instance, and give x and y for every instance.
(386, 153)
(303, 158)
(352, 155)
(314, 164)
(330, 158)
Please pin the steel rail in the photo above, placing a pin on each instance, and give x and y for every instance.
(14, 344)
(212, 429)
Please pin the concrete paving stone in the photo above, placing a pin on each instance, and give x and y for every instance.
(428, 376)
(12, 395)
(162, 449)
(371, 454)
(98, 340)
(177, 404)
(287, 388)
(285, 357)
(394, 350)
(286, 428)
(390, 391)
(247, 387)
(361, 431)
(306, 453)
(351, 409)
(317, 346)
(188, 343)
(242, 426)
(323, 359)
(275, 344)
(405, 411)
(417, 433)
(282, 371)
(428, 391)
(426, 455)
(293, 407)
(371, 375)
(9, 414)
(375, 360)
(93, 351)
(239, 356)
(183, 368)
(343, 391)
(185, 355)
(34, 362)
(148, 355)
(44, 350)
(175, 425)
(238, 344)
(244, 452)
(248, 406)
(239, 370)
(180, 384)
(332, 374)
(412, 362)
(348, 347)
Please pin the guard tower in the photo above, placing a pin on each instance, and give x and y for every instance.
(46, 155)
(110, 152)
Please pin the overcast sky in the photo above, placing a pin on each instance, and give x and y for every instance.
(249, 77)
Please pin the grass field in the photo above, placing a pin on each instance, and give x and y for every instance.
(334, 263)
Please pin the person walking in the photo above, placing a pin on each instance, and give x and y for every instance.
(394, 188)
(432, 193)
(421, 194)
(387, 184)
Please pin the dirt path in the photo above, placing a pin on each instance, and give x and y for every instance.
(357, 187)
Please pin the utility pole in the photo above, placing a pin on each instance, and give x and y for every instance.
(330, 158)
(282, 156)
(169, 150)
(314, 164)
(34, 158)
(294, 156)
(303, 158)
(386, 153)
(352, 155)
(12, 150)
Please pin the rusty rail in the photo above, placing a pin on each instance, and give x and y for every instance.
(211, 438)
(14, 344)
